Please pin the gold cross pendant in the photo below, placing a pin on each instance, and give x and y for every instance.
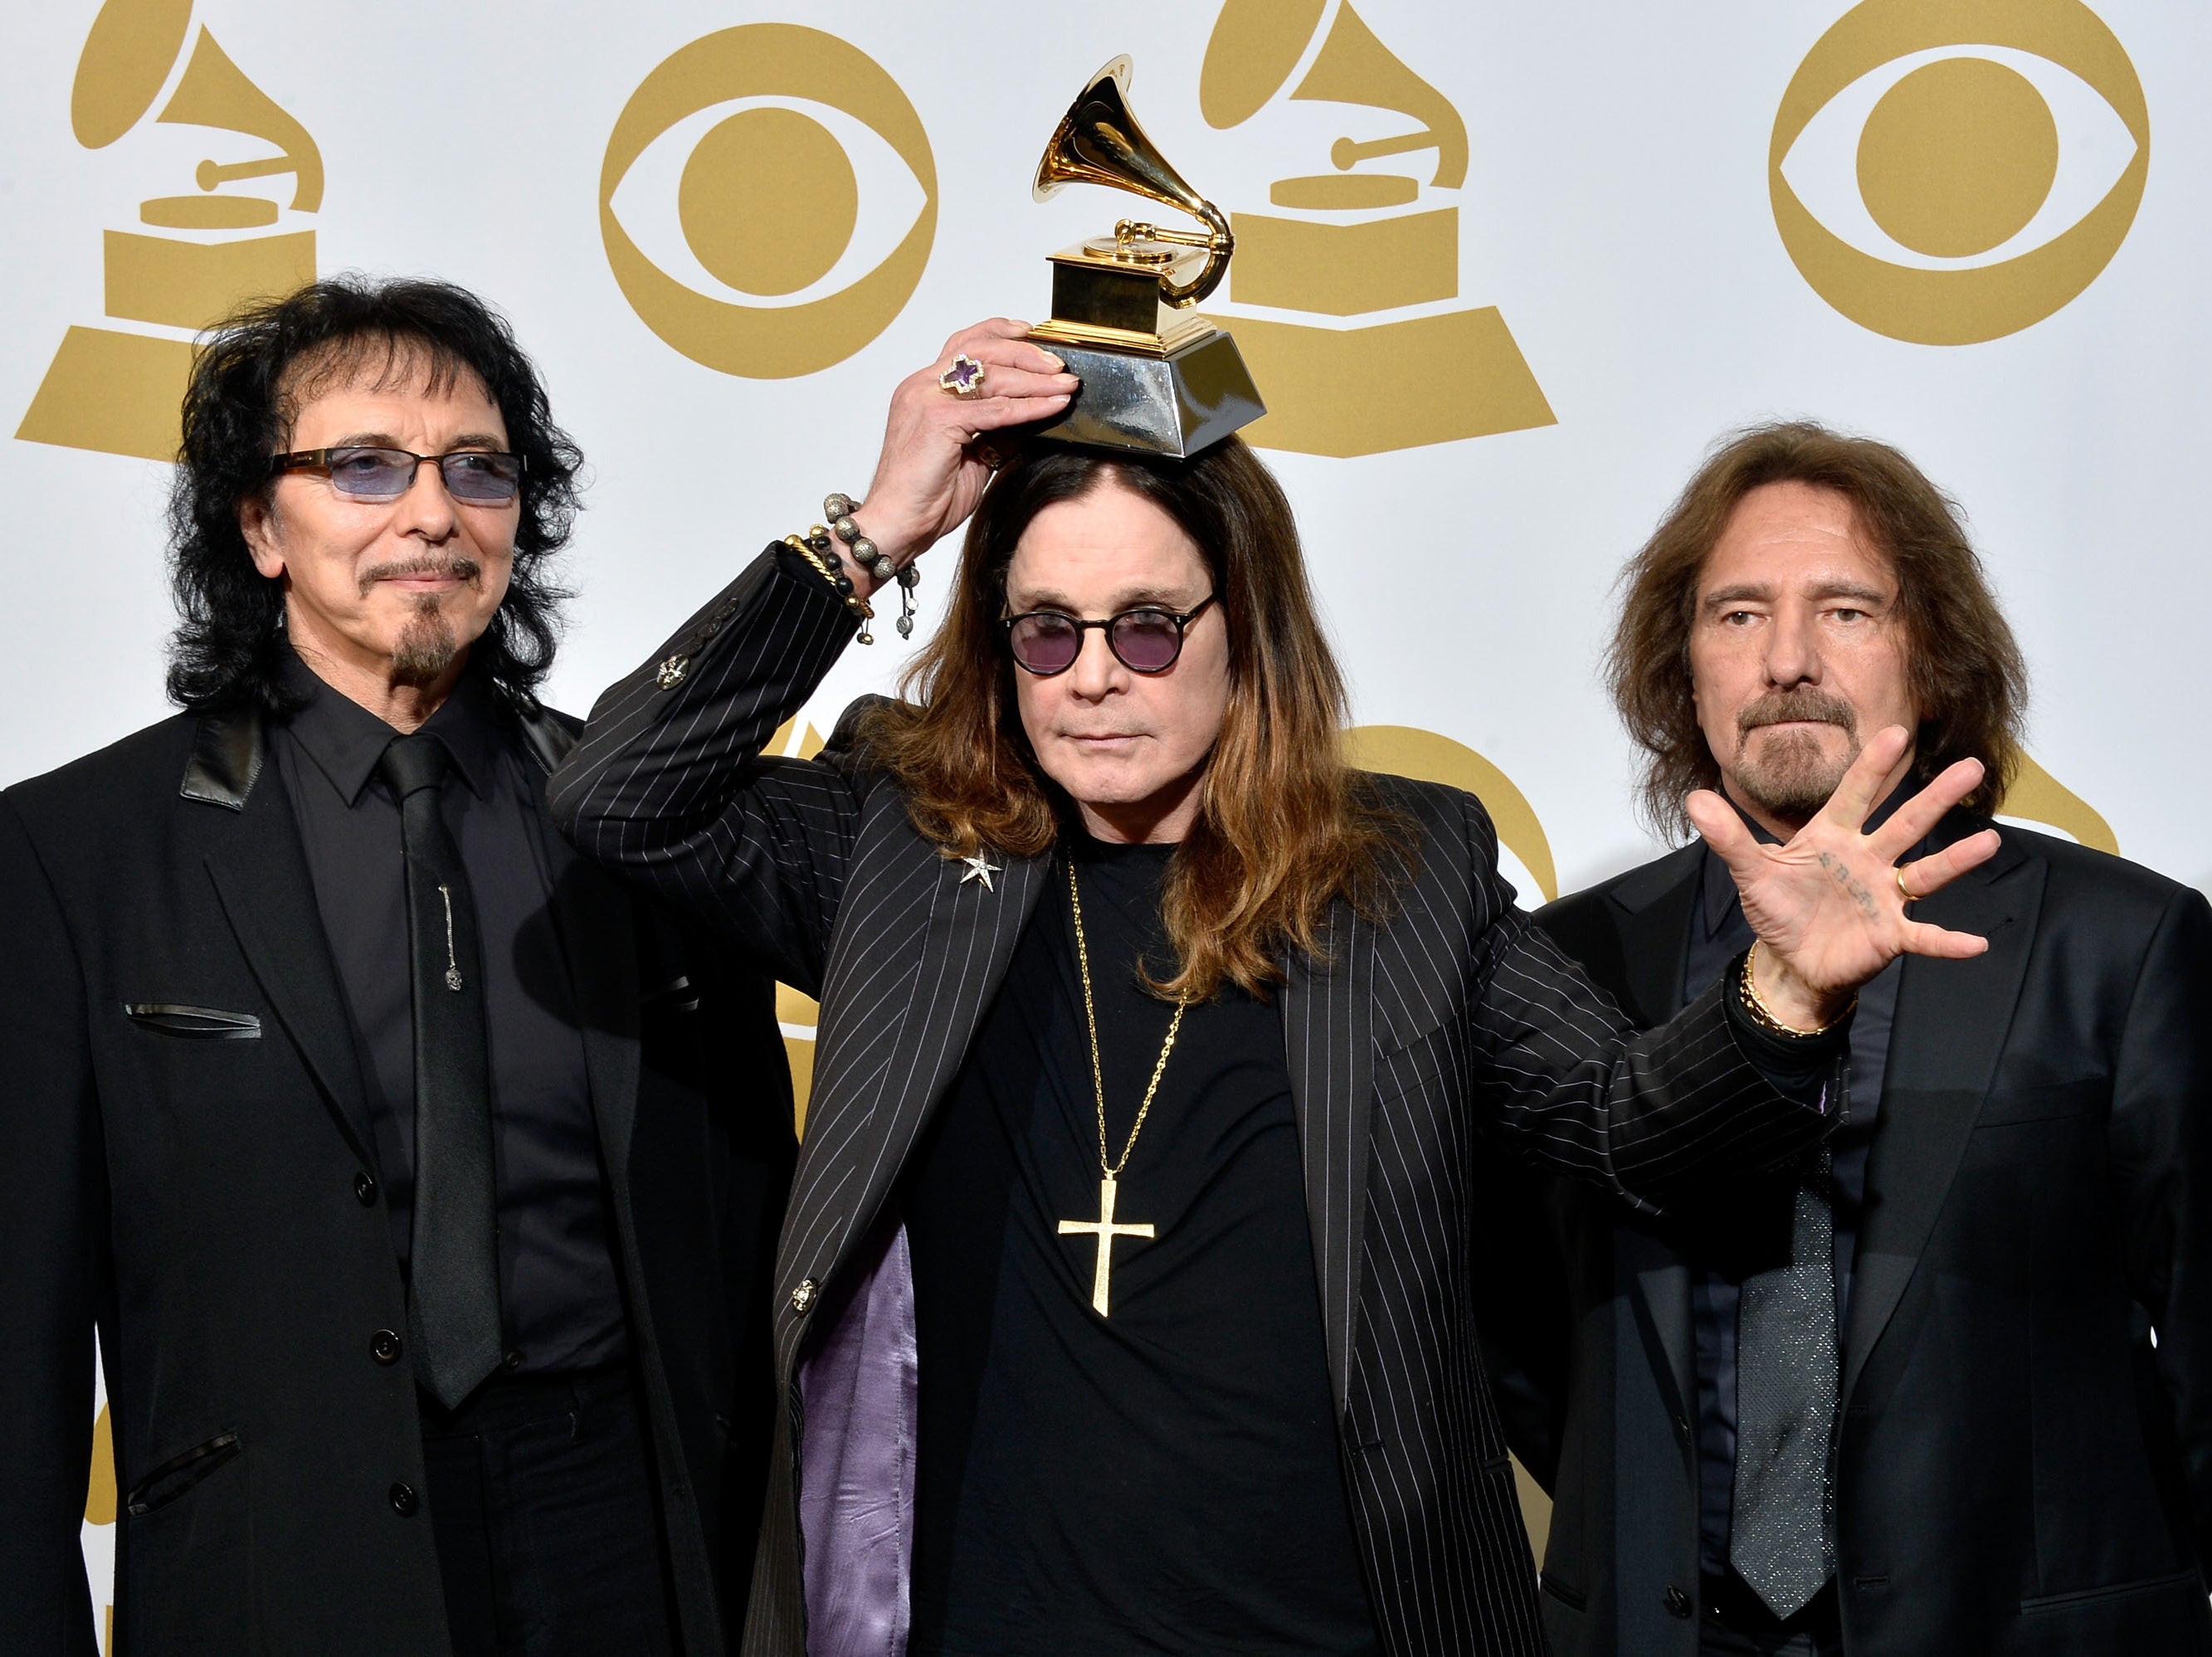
(1106, 1231)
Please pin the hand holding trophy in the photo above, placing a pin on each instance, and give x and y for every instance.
(1154, 377)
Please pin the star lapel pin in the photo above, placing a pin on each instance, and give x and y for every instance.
(980, 867)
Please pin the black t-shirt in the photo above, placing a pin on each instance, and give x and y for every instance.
(1165, 1479)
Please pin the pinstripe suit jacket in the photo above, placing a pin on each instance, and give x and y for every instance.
(1419, 1040)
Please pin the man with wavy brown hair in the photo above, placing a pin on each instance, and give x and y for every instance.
(1948, 1385)
(1126, 1298)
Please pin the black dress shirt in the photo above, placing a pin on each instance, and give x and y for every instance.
(560, 1300)
(1718, 934)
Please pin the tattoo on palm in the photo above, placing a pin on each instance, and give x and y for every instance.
(1853, 886)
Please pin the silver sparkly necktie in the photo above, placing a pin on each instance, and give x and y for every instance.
(1787, 1374)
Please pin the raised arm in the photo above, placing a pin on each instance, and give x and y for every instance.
(668, 786)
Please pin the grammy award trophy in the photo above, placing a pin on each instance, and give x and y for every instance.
(1156, 377)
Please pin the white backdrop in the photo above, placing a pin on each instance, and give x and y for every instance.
(1619, 208)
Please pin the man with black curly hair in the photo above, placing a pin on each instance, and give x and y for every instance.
(420, 1183)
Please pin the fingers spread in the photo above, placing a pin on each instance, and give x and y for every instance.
(1909, 823)
(1854, 798)
(1934, 872)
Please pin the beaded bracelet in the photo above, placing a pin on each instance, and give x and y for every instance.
(838, 509)
(814, 548)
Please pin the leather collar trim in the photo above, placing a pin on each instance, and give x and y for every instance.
(229, 748)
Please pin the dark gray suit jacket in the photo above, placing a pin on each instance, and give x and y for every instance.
(1421, 1038)
(185, 1158)
(2024, 1466)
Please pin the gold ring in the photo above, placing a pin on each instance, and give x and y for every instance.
(1904, 890)
(964, 378)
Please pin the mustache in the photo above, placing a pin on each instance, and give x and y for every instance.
(455, 565)
(1784, 706)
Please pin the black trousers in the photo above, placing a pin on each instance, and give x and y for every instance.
(549, 1538)
(1737, 1623)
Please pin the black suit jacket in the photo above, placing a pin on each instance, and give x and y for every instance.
(185, 1157)
(1418, 1036)
(2025, 1452)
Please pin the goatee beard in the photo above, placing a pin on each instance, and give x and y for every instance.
(426, 647)
(1792, 777)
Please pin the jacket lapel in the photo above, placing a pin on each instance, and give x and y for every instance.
(896, 1021)
(1328, 1041)
(1952, 1020)
(261, 875)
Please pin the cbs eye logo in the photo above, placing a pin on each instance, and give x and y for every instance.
(731, 200)
(1946, 172)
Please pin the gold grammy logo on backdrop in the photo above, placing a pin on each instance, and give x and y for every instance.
(2036, 796)
(1403, 750)
(761, 124)
(1346, 247)
(1946, 172)
(120, 391)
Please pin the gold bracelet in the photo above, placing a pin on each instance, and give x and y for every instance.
(841, 583)
(1763, 1016)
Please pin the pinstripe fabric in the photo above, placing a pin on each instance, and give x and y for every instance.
(1419, 1046)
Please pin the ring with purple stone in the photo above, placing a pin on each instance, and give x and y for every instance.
(963, 378)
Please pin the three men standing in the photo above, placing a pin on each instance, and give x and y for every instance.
(1948, 1388)
(420, 1182)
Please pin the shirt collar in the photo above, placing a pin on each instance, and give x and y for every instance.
(345, 740)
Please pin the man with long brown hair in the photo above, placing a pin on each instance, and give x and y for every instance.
(1947, 1386)
(1126, 1304)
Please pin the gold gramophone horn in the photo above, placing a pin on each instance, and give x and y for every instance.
(1099, 142)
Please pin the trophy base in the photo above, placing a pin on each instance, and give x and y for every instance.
(1177, 405)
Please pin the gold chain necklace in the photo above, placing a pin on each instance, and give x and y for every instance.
(1103, 1227)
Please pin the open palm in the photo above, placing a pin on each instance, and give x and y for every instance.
(1828, 904)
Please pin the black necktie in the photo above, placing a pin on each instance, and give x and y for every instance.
(1786, 1387)
(454, 1302)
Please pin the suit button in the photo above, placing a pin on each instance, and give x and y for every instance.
(1678, 1603)
(384, 1346)
(673, 671)
(364, 1188)
(802, 1298)
(1682, 1425)
(403, 1499)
